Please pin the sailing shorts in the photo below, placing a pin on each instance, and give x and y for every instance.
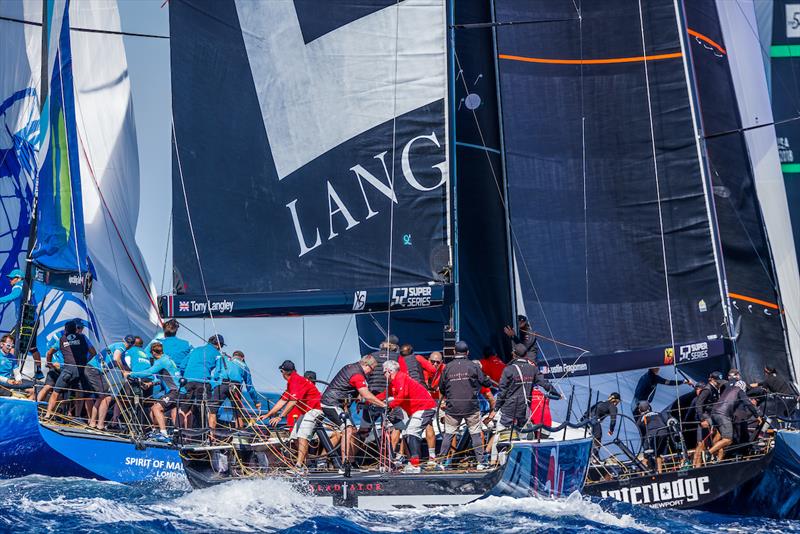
(194, 395)
(418, 422)
(724, 425)
(168, 402)
(337, 416)
(306, 424)
(97, 381)
(226, 390)
(451, 423)
(52, 377)
(72, 378)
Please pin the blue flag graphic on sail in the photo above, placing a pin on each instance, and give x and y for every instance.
(60, 241)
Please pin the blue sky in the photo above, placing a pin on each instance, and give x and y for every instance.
(312, 343)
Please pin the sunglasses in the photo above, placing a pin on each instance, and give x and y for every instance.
(436, 362)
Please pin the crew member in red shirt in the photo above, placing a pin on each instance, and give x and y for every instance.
(415, 400)
(300, 397)
(491, 365)
(414, 365)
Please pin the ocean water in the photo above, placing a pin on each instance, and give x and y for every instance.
(36, 504)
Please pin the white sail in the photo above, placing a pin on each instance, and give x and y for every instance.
(740, 29)
(122, 298)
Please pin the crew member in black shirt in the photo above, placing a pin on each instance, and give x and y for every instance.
(76, 351)
(703, 405)
(646, 387)
(461, 382)
(722, 415)
(598, 412)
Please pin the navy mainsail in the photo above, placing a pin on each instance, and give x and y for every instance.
(303, 148)
(611, 221)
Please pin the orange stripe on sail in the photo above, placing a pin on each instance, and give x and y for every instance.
(754, 301)
(706, 39)
(590, 61)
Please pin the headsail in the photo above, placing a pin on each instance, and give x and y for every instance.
(60, 238)
(310, 144)
(748, 188)
(122, 295)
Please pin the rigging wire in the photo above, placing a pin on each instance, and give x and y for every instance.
(394, 164)
(88, 30)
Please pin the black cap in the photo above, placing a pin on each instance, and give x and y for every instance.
(311, 375)
(522, 318)
(614, 396)
(130, 339)
(70, 327)
(462, 347)
(520, 350)
(716, 375)
(217, 340)
(392, 339)
(287, 365)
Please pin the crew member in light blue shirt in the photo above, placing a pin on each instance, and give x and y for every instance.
(99, 372)
(8, 365)
(177, 348)
(168, 373)
(196, 371)
(234, 383)
(17, 280)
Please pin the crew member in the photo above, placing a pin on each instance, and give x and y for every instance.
(16, 280)
(432, 381)
(54, 361)
(723, 413)
(646, 387)
(413, 398)
(177, 348)
(196, 371)
(778, 394)
(165, 369)
(655, 434)
(100, 372)
(461, 382)
(76, 351)
(8, 380)
(492, 366)
(513, 400)
(599, 412)
(523, 335)
(349, 381)
(376, 381)
(235, 383)
(301, 395)
(414, 365)
(707, 399)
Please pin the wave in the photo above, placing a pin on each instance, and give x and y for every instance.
(35, 503)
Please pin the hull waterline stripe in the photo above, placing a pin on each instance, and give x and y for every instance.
(635, 59)
(753, 300)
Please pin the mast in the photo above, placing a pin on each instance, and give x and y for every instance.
(705, 175)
